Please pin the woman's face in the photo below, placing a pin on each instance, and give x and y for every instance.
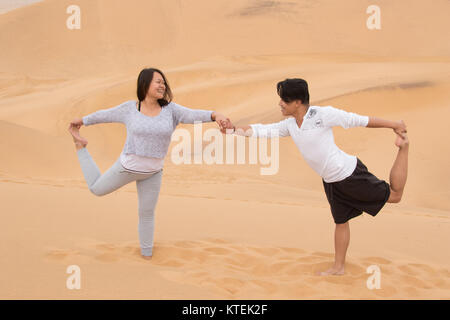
(157, 87)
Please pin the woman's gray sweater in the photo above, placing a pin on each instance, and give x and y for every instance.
(148, 136)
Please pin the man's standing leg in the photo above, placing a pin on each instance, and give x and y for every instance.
(341, 242)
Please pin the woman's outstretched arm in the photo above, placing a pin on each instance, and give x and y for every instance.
(187, 115)
(116, 114)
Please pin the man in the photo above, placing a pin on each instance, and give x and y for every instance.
(349, 186)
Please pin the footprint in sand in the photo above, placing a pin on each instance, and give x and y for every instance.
(107, 257)
(243, 268)
(61, 254)
(376, 260)
(245, 271)
(103, 252)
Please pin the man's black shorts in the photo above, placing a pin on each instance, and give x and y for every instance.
(362, 191)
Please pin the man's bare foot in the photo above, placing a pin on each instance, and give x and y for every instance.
(80, 142)
(332, 272)
(147, 257)
(402, 141)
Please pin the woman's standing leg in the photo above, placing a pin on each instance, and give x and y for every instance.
(148, 193)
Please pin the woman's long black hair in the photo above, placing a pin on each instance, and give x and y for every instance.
(143, 83)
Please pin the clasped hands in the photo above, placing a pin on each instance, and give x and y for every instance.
(223, 122)
(226, 126)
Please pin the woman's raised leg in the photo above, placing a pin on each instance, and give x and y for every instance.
(102, 184)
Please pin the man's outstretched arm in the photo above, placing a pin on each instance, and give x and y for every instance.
(338, 117)
(397, 126)
(228, 127)
(278, 129)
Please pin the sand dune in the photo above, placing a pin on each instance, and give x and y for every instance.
(117, 38)
(222, 231)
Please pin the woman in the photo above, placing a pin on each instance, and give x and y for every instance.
(349, 186)
(150, 122)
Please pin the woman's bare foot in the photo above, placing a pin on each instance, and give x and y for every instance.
(80, 142)
(334, 271)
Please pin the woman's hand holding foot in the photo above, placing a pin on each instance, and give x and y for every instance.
(74, 129)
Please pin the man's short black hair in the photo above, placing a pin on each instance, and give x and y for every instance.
(293, 89)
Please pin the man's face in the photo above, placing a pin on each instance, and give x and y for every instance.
(289, 108)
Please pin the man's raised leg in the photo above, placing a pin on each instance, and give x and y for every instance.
(399, 171)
